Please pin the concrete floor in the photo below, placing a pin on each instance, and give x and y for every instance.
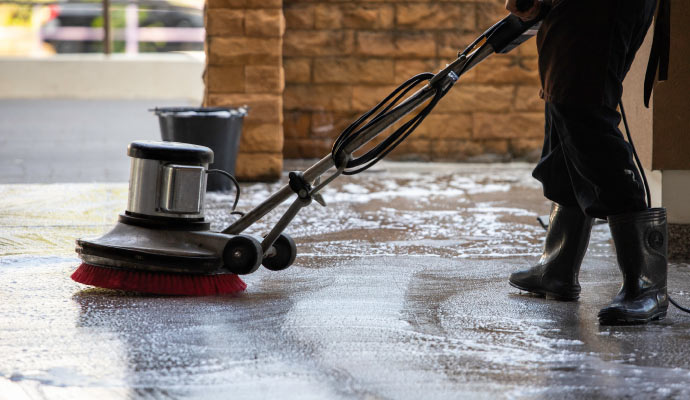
(399, 291)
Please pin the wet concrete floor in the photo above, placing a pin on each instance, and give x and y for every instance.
(399, 291)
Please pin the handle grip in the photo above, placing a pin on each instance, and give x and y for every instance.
(511, 31)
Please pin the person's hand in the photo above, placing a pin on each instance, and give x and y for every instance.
(526, 15)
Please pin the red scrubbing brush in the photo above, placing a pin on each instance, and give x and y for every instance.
(158, 282)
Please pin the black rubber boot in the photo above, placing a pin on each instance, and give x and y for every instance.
(641, 246)
(555, 275)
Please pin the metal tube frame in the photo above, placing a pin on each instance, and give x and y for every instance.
(468, 59)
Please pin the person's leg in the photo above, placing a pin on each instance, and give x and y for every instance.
(602, 172)
(587, 164)
(607, 184)
(598, 160)
(556, 272)
(551, 170)
(640, 237)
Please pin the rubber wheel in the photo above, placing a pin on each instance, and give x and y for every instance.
(286, 251)
(242, 255)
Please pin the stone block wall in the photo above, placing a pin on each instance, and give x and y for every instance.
(342, 57)
(244, 53)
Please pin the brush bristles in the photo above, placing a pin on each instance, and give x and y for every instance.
(158, 282)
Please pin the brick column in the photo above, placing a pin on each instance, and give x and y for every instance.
(244, 40)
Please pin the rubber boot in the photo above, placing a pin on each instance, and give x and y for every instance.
(640, 239)
(556, 273)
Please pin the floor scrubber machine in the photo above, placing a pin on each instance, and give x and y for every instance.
(162, 243)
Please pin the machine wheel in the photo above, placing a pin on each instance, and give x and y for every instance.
(285, 253)
(242, 255)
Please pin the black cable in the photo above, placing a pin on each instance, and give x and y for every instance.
(646, 184)
(352, 132)
(678, 306)
(355, 130)
(637, 159)
(234, 181)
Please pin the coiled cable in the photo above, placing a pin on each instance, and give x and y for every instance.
(380, 111)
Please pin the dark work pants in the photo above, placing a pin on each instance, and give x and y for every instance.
(585, 160)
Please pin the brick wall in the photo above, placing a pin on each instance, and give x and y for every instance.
(308, 68)
(341, 58)
(244, 42)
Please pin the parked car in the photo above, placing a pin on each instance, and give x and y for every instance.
(77, 27)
